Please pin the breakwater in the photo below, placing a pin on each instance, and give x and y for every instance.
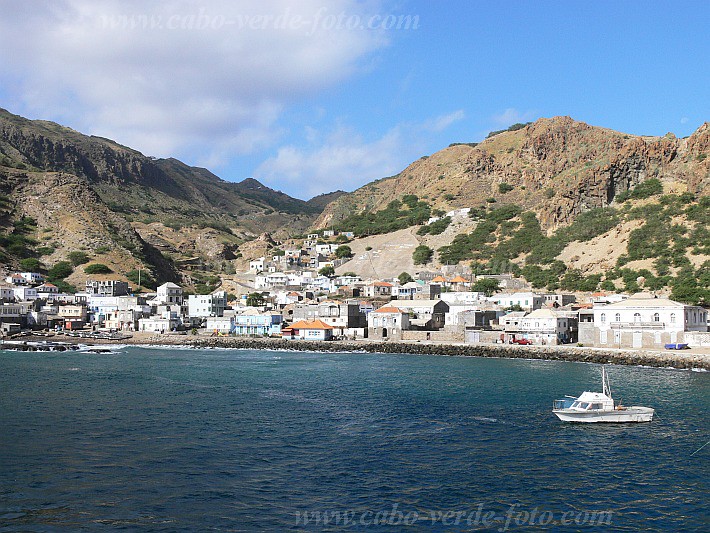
(558, 353)
(660, 359)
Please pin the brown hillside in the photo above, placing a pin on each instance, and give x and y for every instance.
(558, 167)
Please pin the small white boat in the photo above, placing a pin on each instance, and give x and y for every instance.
(599, 407)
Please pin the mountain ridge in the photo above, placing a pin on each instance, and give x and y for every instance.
(149, 195)
(585, 166)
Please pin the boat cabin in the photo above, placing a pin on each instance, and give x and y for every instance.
(588, 401)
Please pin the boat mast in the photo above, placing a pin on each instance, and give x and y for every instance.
(606, 389)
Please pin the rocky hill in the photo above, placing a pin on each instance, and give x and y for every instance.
(557, 167)
(126, 210)
(558, 202)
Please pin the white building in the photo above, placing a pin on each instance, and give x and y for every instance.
(7, 293)
(25, 294)
(32, 277)
(16, 279)
(643, 321)
(270, 280)
(463, 297)
(545, 326)
(326, 249)
(257, 265)
(205, 305)
(167, 321)
(387, 322)
(527, 301)
(169, 293)
(48, 291)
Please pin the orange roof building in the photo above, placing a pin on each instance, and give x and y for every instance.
(308, 330)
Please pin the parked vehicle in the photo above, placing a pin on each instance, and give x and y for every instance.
(522, 341)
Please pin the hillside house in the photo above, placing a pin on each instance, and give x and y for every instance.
(32, 277)
(24, 293)
(257, 265)
(527, 301)
(169, 293)
(47, 291)
(205, 305)
(378, 289)
(7, 293)
(109, 287)
(16, 279)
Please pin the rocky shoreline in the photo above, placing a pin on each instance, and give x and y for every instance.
(675, 359)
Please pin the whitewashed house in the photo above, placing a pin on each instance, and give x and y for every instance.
(545, 326)
(257, 265)
(167, 321)
(311, 330)
(32, 277)
(48, 291)
(527, 301)
(169, 293)
(643, 321)
(24, 293)
(205, 305)
(7, 293)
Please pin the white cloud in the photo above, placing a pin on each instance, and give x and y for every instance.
(170, 77)
(444, 121)
(684, 120)
(344, 160)
(512, 116)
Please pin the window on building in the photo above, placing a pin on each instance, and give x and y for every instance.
(637, 317)
(617, 317)
(602, 318)
(656, 317)
(672, 318)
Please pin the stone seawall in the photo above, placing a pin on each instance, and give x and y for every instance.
(565, 353)
(674, 359)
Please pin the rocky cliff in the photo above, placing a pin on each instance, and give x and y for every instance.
(557, 167)
(87, 193)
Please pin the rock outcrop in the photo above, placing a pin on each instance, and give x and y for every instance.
(557, 167)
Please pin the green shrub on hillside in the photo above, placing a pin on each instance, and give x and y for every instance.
(422, 255)
(397, 215)
(590, 224)
(59, 271)
(78, 258)
(514, 127)
(343, 252)
(31, 264)
(645, 189)
(97, 268)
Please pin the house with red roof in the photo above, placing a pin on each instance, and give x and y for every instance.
(387, 322)
(309, 330)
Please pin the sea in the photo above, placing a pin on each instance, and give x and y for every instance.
(177, 439)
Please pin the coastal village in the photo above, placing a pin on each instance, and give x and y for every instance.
(296, 295)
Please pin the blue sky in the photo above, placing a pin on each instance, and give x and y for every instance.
(299, 96)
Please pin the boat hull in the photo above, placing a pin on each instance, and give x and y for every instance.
(628, 414)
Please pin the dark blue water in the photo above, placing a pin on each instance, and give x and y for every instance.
(188, 440)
